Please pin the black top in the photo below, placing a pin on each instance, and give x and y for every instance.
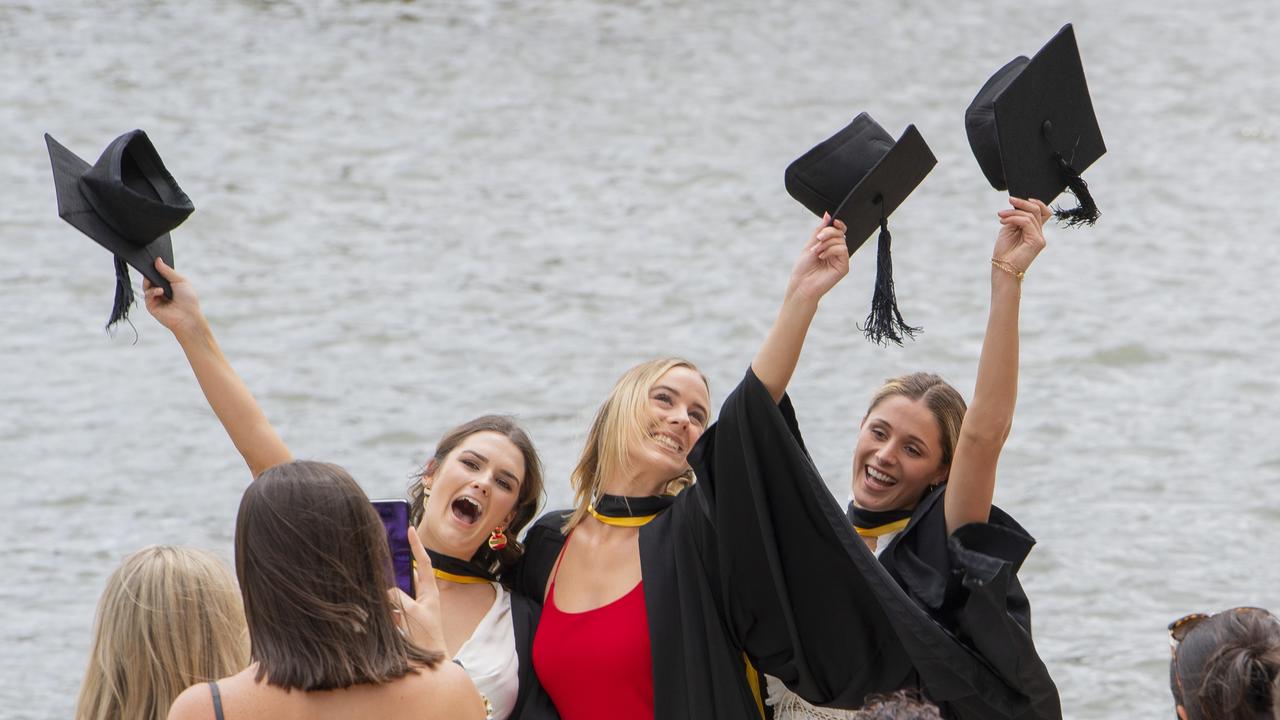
(741, 562)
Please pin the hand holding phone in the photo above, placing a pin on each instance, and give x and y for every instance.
(395, 517)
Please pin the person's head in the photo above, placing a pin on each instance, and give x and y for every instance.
(485, 474)
(170, 617)
(314, 568)
(1225, 666)
(901, 705)
(642, 434)
(906, 441)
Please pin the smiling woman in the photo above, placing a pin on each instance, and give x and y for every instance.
(924, 472)
(481, 486)
(666, 597)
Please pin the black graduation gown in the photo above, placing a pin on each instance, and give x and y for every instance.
(968, 583)
(532, 702)
(740, 563)
(799, 534)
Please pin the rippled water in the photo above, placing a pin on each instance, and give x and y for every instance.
(412, 213)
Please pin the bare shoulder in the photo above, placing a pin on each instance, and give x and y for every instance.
(451, 692)
(194, 703)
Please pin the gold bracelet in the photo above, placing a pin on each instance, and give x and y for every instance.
(1008, 267)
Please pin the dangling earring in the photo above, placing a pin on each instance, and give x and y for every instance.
(497, 539)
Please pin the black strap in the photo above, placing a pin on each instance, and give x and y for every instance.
(217, 700)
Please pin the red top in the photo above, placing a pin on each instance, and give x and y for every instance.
(596, 663)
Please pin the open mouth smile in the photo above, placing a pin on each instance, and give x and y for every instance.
(466, 510)
(877, 481)
(669, 443)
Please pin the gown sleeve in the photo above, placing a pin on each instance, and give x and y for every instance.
(795, 592)
(532, 701)
(542, 544)
(968, 583)
(800, 591)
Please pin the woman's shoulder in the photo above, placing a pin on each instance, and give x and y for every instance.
(551, 522)
(194, 703)
(197, 701)
(447, 689)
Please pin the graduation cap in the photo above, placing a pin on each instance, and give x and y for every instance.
(861, 175)
(1033, 130)
(127, 202)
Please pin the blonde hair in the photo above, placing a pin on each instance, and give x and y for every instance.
(170, 617)
(621, 424)
(943, 401)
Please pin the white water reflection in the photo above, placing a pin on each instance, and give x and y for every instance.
(412, 213)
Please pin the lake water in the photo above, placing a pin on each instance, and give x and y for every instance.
(412, 213)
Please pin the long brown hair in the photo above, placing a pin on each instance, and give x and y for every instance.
(170, 617)
(312, 558)
(619, 426)
(527, 501)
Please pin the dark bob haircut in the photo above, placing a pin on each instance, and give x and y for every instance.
(312, 560)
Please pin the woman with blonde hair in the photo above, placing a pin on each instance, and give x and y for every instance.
(170, 617)
(666, 593)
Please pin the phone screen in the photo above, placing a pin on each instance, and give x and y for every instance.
(395, 517)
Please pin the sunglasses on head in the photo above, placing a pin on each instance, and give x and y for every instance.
(1180, 628)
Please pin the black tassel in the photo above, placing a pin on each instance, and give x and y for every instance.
(884, 322)
(124, 295)
(1087, 213)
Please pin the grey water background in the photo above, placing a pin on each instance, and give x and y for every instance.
(411, 213)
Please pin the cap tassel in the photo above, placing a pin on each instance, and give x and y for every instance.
(124, 295)
(1087, 213)
(884, 322)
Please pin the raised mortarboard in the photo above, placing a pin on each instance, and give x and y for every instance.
(1033, 130)
(128, 202)
(861, 175)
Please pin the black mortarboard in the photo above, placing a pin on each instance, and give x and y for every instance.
(1033, 130)
(860, 175)
(128, 202)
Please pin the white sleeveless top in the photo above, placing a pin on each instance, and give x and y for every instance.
(489, 656)
(790, 706)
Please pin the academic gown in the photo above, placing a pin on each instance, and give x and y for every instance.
(740, 563)
(968, 583)
(532, 702)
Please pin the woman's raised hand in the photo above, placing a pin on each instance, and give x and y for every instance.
(823, 263)
(422, 616)
(1021, 236)
(180, 314)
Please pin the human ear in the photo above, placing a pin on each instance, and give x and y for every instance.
(1182, 712)
(944, 473)
(429, 474)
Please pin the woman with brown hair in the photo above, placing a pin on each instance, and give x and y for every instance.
(169, 617)
(1225, 666)
(476, 493)
(924, 472)
(312, 559)
(664, 595)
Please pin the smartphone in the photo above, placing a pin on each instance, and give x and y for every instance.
(395, 517)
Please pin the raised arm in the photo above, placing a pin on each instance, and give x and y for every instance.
(227, 394)
(824, 261)
(986, 425)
